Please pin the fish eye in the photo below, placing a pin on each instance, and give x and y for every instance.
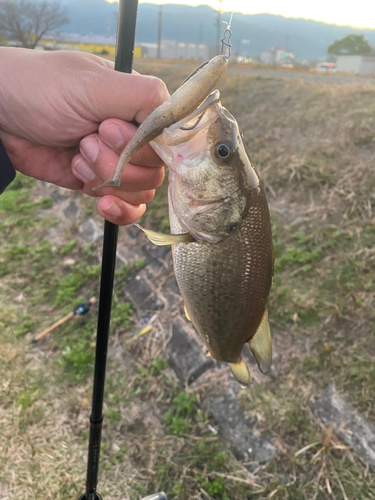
(222, 150)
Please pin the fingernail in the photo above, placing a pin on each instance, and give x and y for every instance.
(89, 147)
(112, 135)
(83, 171)
(112, 210)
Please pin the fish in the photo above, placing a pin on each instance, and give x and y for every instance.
(220, 234)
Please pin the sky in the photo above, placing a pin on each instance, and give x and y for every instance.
(360, 13)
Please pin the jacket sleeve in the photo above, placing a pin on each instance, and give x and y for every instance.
(7, 172)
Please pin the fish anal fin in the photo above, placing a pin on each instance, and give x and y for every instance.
(187, 314)
(241, 372)
(261, 345)
(161, 239)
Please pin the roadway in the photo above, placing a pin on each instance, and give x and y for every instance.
(309, 77)
(265, 73)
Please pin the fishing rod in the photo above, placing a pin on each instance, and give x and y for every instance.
(126, 24)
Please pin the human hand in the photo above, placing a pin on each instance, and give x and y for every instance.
(65, 117)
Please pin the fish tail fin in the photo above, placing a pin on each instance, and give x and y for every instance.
(261, 345)
(241, 372)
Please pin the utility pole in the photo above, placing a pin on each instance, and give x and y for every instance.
(218, 27)
(159, 31)
(200, 41)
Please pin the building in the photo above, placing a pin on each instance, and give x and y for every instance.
(266, 57)
(358, 64)
(172, 49)
(277, 55)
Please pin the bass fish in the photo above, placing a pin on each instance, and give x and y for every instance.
(221, 233)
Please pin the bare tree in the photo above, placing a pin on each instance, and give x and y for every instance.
(27, 21)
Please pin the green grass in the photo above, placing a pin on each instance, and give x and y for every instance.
(312, 145)
(47, 386)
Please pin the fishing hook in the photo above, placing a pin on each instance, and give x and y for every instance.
(194, 73)
(195, 124)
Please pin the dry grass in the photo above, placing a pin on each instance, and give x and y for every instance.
(314, 148)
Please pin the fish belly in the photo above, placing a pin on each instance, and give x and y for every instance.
(225, 285)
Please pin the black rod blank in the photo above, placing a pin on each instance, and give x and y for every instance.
(126, 24)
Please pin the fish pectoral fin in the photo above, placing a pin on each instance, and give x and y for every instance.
(261, 345)
(241, 372)
(161, 239)
(187, 314)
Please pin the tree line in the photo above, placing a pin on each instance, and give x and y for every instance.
(351, 44)
(27, 21)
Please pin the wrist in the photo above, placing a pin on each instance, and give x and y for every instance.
(5, 72)
(11, 78)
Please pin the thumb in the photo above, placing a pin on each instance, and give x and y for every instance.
(126, 96)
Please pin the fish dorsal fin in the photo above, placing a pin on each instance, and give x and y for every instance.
(161, 239)
(261, 344)
(241, 372)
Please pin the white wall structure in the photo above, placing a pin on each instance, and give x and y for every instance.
(266, 57)
(368, 66)
(360, 65)
(172, 49)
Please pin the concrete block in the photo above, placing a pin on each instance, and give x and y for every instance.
(349, 425)
(90, 231)
(72, 211)
(142, 295)
(236, 428)
(185, 356)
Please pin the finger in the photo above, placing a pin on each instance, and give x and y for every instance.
(126, 96)
(102, 160)
(117, 133)
(135, 197)
(118, 211)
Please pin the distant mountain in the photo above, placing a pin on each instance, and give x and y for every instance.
(305, 38)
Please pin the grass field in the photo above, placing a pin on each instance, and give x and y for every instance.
(313, 146)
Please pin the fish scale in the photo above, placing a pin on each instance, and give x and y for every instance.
(225, 285)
